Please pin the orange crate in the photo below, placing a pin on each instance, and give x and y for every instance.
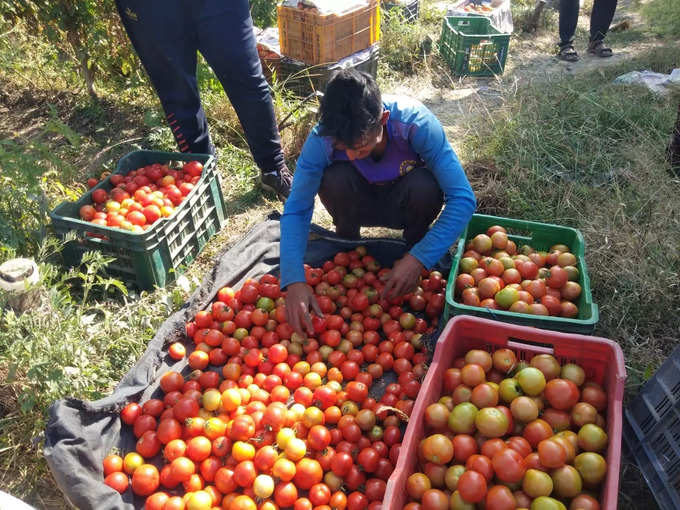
(322, 38)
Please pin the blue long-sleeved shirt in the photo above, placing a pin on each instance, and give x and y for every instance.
(409, 120)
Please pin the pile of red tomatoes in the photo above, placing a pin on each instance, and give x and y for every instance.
(507, 435)
(268, 419)
(495, 273)
(141, 197)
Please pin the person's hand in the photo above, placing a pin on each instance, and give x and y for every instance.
(300, 300)
(403, 277)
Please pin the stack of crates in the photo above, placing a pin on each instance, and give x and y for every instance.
(312, 44)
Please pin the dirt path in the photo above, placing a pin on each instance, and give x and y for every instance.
(463, 101)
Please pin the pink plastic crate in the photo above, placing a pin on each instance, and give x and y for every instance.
(601, 359)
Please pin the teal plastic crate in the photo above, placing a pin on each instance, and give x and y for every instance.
(540, 236)
(472, 47)
(156, 256)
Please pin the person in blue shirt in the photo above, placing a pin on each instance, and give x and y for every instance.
(374, 161)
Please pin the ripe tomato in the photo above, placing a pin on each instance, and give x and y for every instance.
(480, 464)
(148, 444)
(437, 448)
(552, 454)
(285, 494)
(117, 480)
(320, 494)
(143, 424)
(562, 394)
(307, 473)
(509, 465)
(499, 497)
(112, 463)
(130, 413)
(464, 446)
(472, 486)
(145, 480)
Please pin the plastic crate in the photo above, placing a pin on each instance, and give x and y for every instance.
(652, 432)
(472, 47)
(322, 38)
(303, 80)
(155, 256)
(601, 359)
(541, 236)
(409, 11)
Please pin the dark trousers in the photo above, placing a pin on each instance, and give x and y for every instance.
(411, 202)
(600, 19)
(166, 35)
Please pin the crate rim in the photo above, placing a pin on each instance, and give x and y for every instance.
(101, 184)
(496, 32)
(514, 330)
(546, 319)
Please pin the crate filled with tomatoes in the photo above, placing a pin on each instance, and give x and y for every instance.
(513, 417)
(254, 416)
(522, 272)
(153, 216)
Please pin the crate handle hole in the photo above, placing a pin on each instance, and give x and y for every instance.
(519, 343)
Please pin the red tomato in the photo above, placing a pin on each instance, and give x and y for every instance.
(118, 481)
(130, 413)
(509, 465)
(145, 480)
(472, 486)
(562, 394)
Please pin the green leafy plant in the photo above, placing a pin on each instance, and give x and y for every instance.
(263, 12)
(87, 32)
(27, 171)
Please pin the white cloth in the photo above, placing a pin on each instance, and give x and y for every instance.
(328, 6)
(498, 11)
(8, 502)
(656, 82)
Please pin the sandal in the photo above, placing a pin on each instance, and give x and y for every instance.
(598, 49)
(567, 53)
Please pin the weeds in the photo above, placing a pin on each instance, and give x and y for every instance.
(663, 16)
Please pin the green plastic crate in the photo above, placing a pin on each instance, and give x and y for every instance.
(153, 257)
(540, 236)
(472, 47)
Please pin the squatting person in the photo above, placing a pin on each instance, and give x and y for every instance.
(374, 161)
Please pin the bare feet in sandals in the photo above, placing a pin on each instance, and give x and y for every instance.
(599, 49)
(567, 53)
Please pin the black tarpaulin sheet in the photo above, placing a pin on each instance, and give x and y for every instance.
(80, 433)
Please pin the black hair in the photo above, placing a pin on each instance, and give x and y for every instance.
(351, 107)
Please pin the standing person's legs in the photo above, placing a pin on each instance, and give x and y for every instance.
(600, 20)
(227, 41)
(163, 38)
(568, 15)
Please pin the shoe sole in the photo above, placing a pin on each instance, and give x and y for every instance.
(271, 189)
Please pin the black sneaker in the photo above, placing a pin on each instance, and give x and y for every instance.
(277, 182)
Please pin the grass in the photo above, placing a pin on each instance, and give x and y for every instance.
(663, 16)
(587, 153)
(577, 151)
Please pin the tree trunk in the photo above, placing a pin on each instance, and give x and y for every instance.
(88, 74)
(535, 16)
(83, 57)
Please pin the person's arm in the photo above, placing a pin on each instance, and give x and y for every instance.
(429, 140)
(295, 221)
